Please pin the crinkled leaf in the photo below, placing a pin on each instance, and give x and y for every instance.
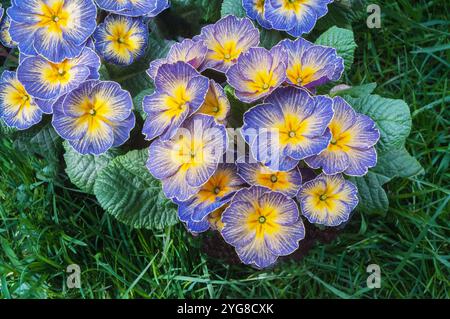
(233, 7)
(83, 169)
(372, 197)
(392, 117)
(342, 40)
(126, 190)
(362, 90)
(398, 163)
(40, 139)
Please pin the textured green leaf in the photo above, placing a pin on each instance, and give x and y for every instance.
(362, 90)
(233, 7)
(397, 163)
(372, 197)
(83, 169)
(40, 139)
(126, 190)
(393, 118)
(342, 40)
(137, 100)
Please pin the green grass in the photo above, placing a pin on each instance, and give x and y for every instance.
(45, 226)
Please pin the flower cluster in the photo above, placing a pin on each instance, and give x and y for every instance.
(299, 144)
(255, 200)
(61, 49)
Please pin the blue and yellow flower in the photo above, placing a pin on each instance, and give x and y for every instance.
(18, 108)
(255, 173)
(295, 16)
(121, 40)
(47, 80)
(255, 10)
(226, 40)
(134, 8)
(94, 117)
(189, 51)
(56, 29)
(214, 194)
(188, 160)
(216, 103)
(258, 72)
(180, 91)
(311, 65)
(291, 125)
(262, 225)
(328, 199)
(352, 146)
(5, 36)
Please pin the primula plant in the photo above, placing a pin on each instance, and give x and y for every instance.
(238, 121)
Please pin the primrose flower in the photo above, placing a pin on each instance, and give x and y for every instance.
(216, 103)
(56, 29)
(180, 91)
(295, 16)
(258, 72)
(255, 10)
(215, 193)
(311, 65)
(5, 37)
(352, 146)
(187, 161)
(94, 117)
(18, 108)
(134, 8)
(328, 200)
(254, 173)
(290, 126)
(226, 40)
(121, 40)
(189, 51)
(262, 225)
(47, 80)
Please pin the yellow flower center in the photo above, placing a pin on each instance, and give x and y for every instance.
(263, 220)
(54, 17)
(57, 73)
(227, 51)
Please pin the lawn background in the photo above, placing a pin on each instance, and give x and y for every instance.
(46, 226)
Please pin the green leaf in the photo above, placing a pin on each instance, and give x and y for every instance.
(342, 40)
(372, 197)
(233, 7)
(398, 163)
(238, 108)
(127, 191)
(392, 117)
(83, 169)
(269, 38)
(41, 139)
(362, 90)
(137, 101)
